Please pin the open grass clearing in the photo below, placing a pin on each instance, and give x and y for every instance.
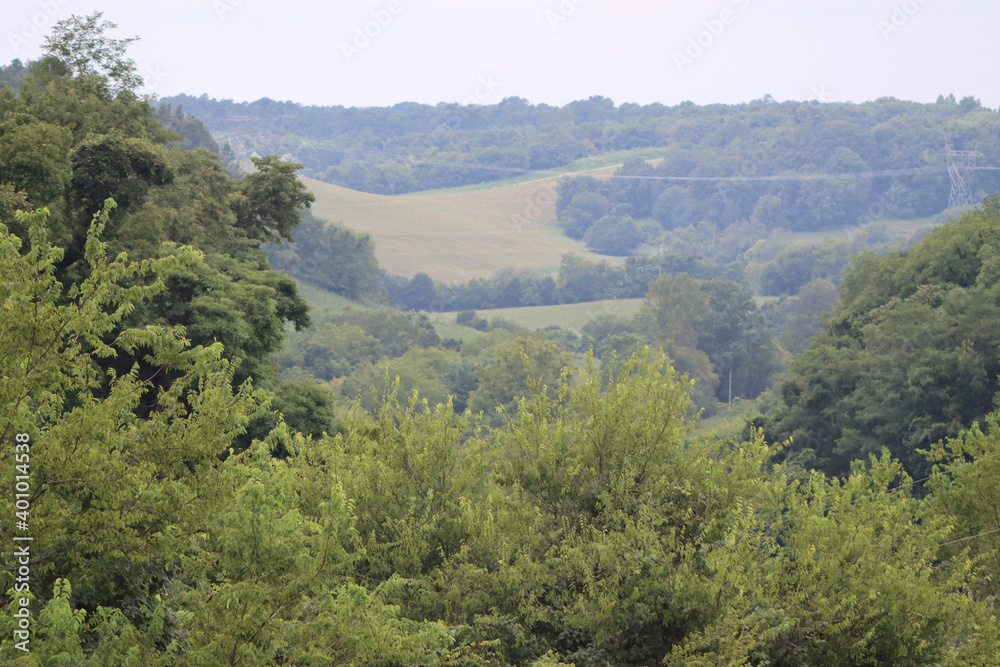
(570, 316)
(456, 236)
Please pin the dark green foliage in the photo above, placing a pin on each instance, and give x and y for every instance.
(410, 146)
(579, 280)
(564, 339)
(305, 407)
(467, 318)
(34, 156)
(106, 166)
(633, 191)
(614, 236)
(673, 309)
(270, 200)
(332, 257)
(397, 332)
(196, 208)
(723, 142)
(737, 340)
(569, 188)
(329, 351)
(910, 355)
(713, 331)
(603, 326)
(420, 294)
(770, 212)
(583, 211)
(461, 380)
(797, 265)
(13, 74)
(675, 207)
(620, 346)
(78, 136)
(242, 306)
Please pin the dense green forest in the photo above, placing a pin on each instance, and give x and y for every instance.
(753, 167)
(416, 147)
(712, 182)
(709, 328)
(220, 475)
(589, 530)
(909, 355)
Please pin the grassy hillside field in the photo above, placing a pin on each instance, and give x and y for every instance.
(455, 236)
(571, 316)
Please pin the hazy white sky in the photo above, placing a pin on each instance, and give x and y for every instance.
(380, 52)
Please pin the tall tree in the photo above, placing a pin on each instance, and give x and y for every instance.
(518, 365)
(671, 310)
(82, 45)
(802, 319)
(270, 198)
(736, 339)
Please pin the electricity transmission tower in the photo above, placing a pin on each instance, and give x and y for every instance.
(958, 162)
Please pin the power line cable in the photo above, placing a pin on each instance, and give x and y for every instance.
(963, 539)
(908, 171)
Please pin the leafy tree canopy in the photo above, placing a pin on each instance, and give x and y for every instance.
(589, 530)
(82, 45)
(908, 356)
(269, 199)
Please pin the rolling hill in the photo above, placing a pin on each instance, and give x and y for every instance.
(571, 316)
(458, 234)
